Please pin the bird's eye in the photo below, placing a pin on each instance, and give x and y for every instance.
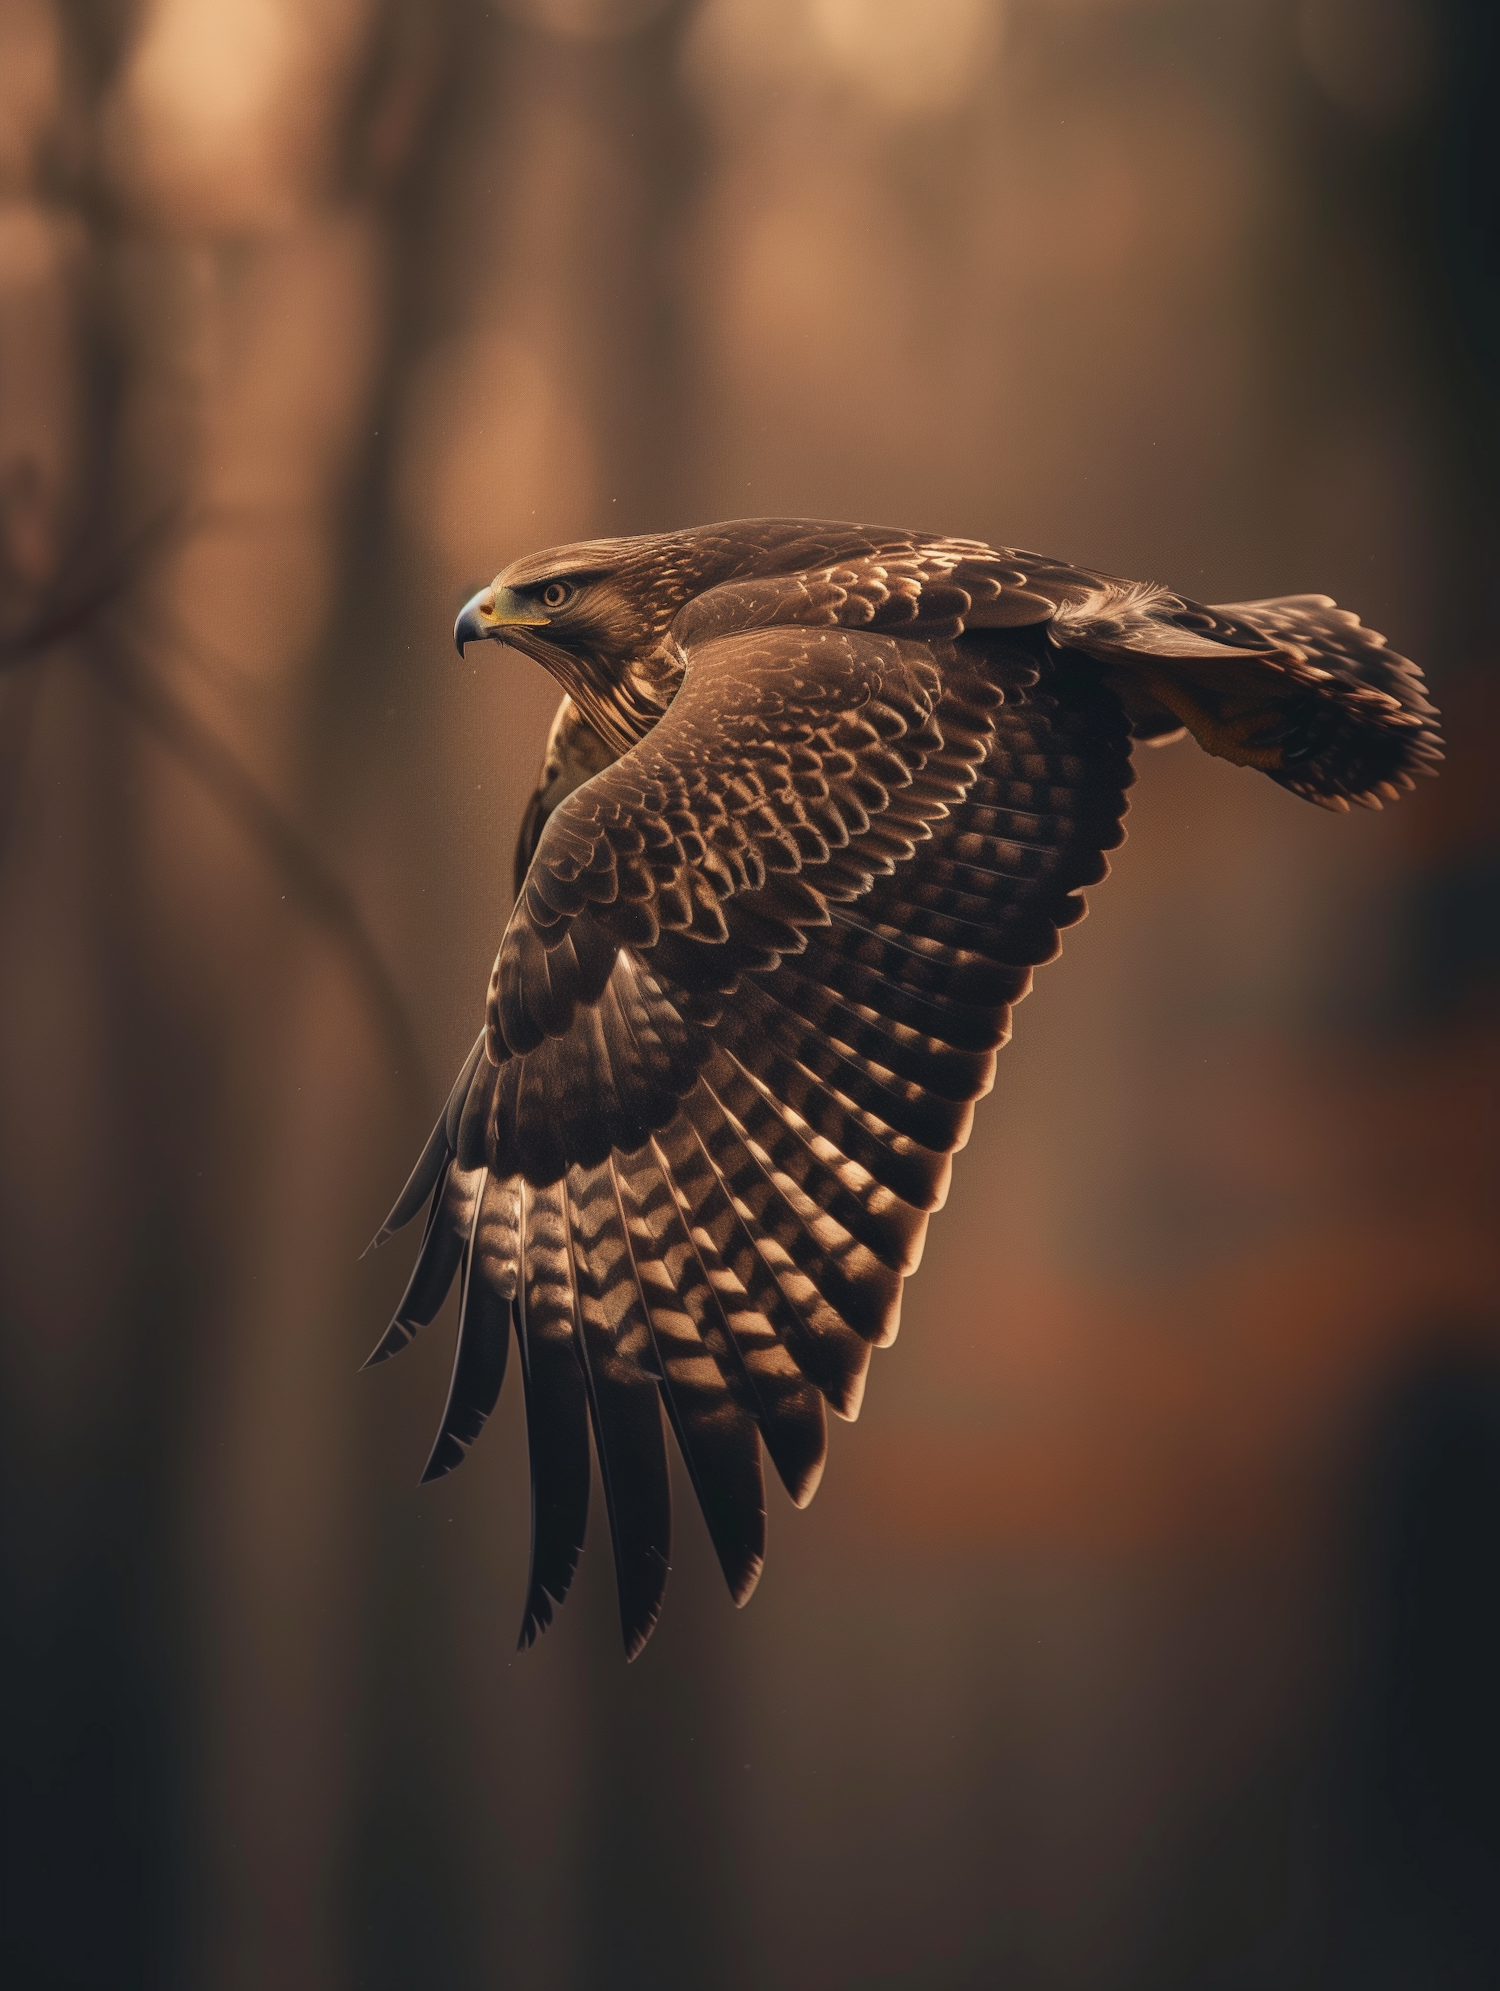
(555, 594)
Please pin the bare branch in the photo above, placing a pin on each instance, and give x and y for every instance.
(317, 889)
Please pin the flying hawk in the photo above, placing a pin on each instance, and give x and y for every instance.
(817, 801)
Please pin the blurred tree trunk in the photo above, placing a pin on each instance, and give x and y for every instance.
(196, 317)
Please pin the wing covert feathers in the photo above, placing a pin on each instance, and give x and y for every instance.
(699, 1202)
(758, 974)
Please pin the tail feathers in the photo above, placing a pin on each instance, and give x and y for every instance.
(1357, 725)
(1296, 687)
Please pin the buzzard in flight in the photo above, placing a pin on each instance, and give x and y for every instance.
(817, 801)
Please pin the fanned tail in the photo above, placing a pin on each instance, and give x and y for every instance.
(1294, 686)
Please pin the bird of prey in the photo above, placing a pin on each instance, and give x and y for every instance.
(818, 800)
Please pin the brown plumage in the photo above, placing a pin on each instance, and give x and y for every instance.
(818, 801)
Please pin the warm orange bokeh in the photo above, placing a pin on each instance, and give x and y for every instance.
(1060, 1682)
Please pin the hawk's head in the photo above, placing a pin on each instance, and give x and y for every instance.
(598, 616)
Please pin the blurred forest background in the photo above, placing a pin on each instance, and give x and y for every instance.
(1147, 1629)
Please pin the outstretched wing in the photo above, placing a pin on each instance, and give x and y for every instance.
(757, 975)
(752, 990)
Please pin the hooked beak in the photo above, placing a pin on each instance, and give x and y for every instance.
(487, 616)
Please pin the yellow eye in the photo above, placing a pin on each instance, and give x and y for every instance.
(555, 594)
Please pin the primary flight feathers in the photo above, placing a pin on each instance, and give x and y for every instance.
(818, 800)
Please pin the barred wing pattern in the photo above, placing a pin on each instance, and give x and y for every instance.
(757, 975)
(736, 1264)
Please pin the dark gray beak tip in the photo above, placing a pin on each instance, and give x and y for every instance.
(471, 626)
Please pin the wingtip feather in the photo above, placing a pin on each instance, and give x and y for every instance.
(439, 1464)
(740, 1593)
(396, 1337)
(801, 1494)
